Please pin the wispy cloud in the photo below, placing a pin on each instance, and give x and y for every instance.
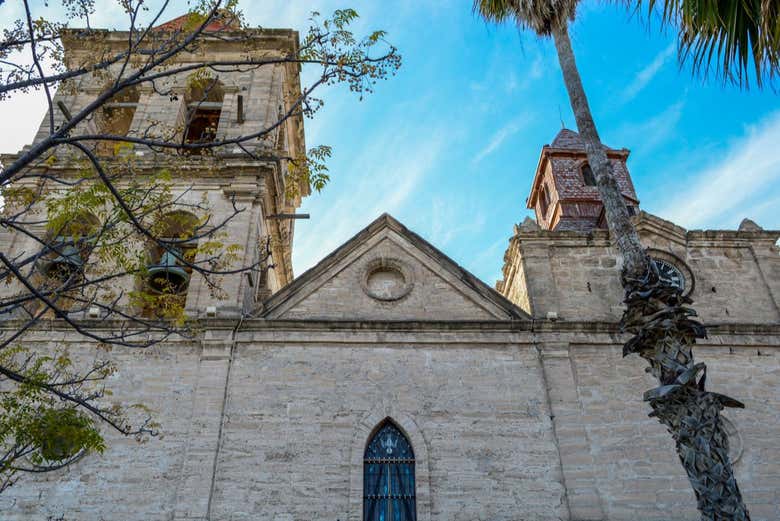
(499, 137)
(494, 251)
(744, 180)
(646, 135)
(382, 178)
(447, 222)
(647, 74)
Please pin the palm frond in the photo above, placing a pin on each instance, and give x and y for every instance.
(542, 16)
(736, 38)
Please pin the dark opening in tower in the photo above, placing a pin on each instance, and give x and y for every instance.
(204, 107)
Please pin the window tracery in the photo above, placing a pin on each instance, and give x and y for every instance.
(388, 477)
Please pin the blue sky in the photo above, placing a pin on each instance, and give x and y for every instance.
(450, 144)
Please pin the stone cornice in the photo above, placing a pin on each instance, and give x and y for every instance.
(260, 39)
(219, 326)
(145, 160)
(647, 224)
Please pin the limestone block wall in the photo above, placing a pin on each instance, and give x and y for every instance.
(434, 293)
(261, 90)
(130, 481)
(736, 274)
(299, 414)
(507, 420)
(253, 184)
(631, 459)
(242, 229)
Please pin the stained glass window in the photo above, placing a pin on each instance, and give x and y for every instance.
(388, 477)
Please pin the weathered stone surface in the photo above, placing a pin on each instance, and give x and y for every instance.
(735, 275)
(534, 423)
(430, 285)
(511, 415)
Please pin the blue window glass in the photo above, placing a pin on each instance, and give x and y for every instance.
(388, 477)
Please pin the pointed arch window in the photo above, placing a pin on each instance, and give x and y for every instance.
(587, 175)
(388, 477)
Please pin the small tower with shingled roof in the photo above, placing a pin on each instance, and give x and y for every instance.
(564, 195)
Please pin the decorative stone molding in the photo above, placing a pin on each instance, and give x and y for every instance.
(387, 279)
(363, 431)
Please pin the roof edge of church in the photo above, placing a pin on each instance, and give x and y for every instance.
(385, 220)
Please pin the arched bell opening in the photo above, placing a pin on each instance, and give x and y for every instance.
(203, 100)
(64, 258)
(115, 118)
(169, 270)
(67, 247)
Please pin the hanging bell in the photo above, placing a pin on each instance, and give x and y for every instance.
(67, 262)
(168, 276)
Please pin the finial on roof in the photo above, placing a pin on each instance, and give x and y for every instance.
(528, 225)
(748, 225)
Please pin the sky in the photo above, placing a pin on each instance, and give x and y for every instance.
(449, 145)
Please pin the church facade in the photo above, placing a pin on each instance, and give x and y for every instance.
(388, 383)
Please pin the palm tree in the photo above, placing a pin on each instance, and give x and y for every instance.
(657, 313)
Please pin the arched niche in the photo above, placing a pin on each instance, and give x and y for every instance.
(166, 280)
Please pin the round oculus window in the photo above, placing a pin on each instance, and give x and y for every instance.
(386, 280)
(386, 283)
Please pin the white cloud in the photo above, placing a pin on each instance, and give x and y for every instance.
(447, 220)
(745, 180)
(648, 134)
(382, 178)
(647, 74)
(498, 138)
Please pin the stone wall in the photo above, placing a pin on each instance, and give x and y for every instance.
(299, 415)
(735, 275)
(130, 481)
(631, 460)
(507, 420)
(222, 177)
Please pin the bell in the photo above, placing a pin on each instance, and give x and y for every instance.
(67, 262)
(61, 433)
(168, 276)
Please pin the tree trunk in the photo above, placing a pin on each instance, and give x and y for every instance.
(658, 316)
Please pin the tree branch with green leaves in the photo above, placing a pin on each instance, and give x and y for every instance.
(100, 192)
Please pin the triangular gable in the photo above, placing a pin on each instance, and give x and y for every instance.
(387, 272)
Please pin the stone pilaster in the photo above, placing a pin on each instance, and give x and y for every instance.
(193, 496)
(574, 448)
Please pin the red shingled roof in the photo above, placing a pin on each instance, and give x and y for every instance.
(219, 23)
(571, 140)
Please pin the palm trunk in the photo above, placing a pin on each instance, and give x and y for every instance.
(664, 334)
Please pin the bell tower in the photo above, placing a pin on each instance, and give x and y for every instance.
(241, 188)
(564, 194)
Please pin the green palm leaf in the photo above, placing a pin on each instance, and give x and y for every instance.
(733, 37)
